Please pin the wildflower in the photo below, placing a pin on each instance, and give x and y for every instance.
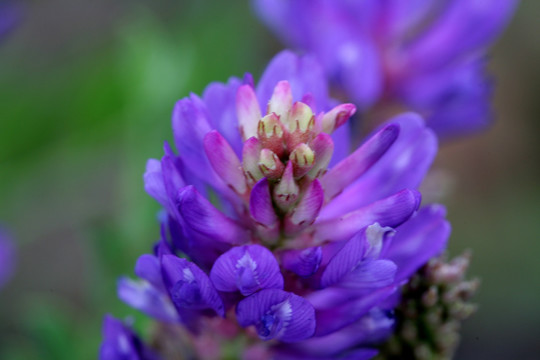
(274, 236)
(119, 342)
(426, 56)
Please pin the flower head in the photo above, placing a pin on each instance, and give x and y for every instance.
(282, 235)
(426, 55)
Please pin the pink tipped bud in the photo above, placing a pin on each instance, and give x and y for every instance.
(302, 159)
(323, 147)
(270, 164)
(337, 117)
(301, 117)
(270, 132)
(248, 111)
(281, 101)
(250, 160)
(301, 125)
(286, 191)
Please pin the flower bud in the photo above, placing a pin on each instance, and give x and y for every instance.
(301, 125)
(337, 117)
(270, 133)
(281, 101)
(270, 165)
(302, 159)
(286, 191)
(250, 160)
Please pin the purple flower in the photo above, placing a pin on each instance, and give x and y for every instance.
(120, 343)
(427, 55)
(273, 229)
(7, 257)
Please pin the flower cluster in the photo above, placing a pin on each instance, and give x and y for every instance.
(274, 235)
(425, 55)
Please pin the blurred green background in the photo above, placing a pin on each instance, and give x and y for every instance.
(86, 96)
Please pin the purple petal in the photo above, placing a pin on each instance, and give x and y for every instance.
(352, 254)
(342, 144)
(392, 211)
(146, 298)
(418, 240)
(220, 100)
(120, 342)
(189, 287)
(403, 166)
(224, 161)
(149, 269)
(307, 209)
(190, 125)
(303, 73)
(246, 268)
(369, 275)
(456, 99)
(463, 26)
(349, 169)
(153, 182)
(404, 15)
(203, 221)
(260, 204)
(302, 262)
(370, 329)
(277, 314)
(359, 70)
(333, 319)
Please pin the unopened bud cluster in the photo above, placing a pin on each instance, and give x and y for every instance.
(290, 148)
(433, 305)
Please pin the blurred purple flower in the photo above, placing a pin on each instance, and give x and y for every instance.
(9, 16)
(426, 55)
(7, 257)
(286, 233)
(121, 343)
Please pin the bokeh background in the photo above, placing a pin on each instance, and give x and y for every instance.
(87, 88)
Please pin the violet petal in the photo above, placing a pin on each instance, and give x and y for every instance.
(418, 240)
(189, 287)
(391, 211)
(404, 165)
(248, 269)
(303, 262)
(352, 254)
(144, 297)
(349, 169)
(277, 314)
(224, 161)
(203, 220)
(260, 204)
